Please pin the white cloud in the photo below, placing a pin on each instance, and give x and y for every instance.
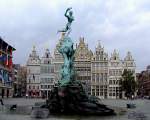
(122, 24)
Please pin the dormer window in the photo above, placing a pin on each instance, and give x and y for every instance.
(47, 56)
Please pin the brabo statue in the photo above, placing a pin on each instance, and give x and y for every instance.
(68, 96)
(67, 51)
(70, 19)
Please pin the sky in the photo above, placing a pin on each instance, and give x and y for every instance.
(123, 25)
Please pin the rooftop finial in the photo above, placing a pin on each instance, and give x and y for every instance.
(99, 44)
(33, 47)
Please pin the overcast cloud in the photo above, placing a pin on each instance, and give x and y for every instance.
(119, 24)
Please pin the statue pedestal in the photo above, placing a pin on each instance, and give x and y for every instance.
(72, 99)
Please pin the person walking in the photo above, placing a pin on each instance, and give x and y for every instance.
(1, 100)
(26, 95)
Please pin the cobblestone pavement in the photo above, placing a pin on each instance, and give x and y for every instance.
(22, 101)
(141, 112)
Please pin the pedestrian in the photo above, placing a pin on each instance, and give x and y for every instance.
(1, 100)
(26, 95)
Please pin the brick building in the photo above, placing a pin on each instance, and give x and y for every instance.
(6, 63)
(143, 79)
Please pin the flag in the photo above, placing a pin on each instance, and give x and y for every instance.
(10, 59)
(0, 54)
(3, 57)
(7, 55)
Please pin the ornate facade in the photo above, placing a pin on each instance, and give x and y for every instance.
(83, 64)
(99, 73)
(116, 68)
(58, 59)
(33, 74)
(115, 72)
(47, 75)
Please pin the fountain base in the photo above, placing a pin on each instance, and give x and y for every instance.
(72, 99)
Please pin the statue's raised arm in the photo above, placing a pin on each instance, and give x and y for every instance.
(70, 18)
(67, 12)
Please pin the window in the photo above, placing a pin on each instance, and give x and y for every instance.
(93, 77)
(97, 57)
(101, 93)
(93, 92)
(52, 70)
(97, 93)
(45, 86)
(105, 77)
(97, 90)
(29, 80)
(110, 72)
(110, 82)
(120, 72)
(114, 82)
(117, 82)
(102, 76)
(97, 87)
(97, 77)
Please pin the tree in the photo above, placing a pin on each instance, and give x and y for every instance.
(22, 74)
(128, 83)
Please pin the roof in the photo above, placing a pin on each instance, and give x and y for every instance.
(148, 67)
(5, 43)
